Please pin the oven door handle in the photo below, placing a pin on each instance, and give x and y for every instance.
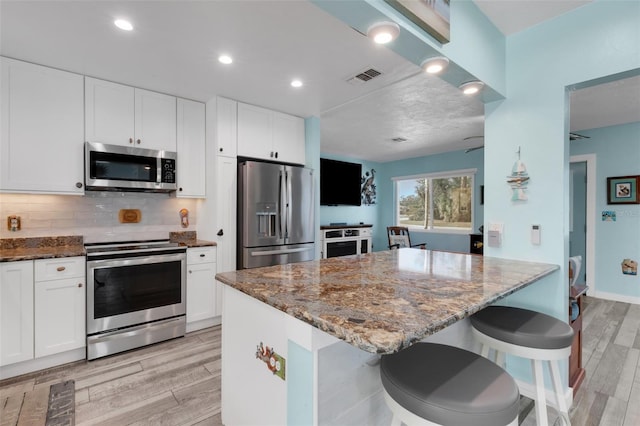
(132, 331)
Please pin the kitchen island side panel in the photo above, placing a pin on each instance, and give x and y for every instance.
(327, 381)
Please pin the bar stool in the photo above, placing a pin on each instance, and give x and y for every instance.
(530, 335)
(433, 384)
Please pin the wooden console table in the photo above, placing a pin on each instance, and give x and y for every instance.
(576, 371)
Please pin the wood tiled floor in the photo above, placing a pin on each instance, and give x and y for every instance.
(178, 382)
(610, 394)
(171, 383)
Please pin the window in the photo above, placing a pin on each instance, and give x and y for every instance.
(437, 201)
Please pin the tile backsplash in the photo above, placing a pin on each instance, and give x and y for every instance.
(95, 215)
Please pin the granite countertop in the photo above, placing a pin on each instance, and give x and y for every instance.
(386, 301)
(16, 249)
(189, 239)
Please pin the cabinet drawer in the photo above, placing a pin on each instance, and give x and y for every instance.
(198, 255)
(55, 269)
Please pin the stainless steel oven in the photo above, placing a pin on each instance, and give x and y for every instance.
(136, 295)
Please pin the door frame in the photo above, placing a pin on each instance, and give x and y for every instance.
(590, 260)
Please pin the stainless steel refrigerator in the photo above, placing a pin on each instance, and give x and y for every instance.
(275, 214)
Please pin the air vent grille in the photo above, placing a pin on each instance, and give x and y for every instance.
(364, 76)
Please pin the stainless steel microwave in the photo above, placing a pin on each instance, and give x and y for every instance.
(124, 168)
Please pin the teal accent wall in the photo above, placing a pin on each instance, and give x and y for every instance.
(300, 378)
(543, 62)
(456, 160)
(617, 150)
(354, 214)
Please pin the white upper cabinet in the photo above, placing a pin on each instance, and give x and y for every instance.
(191, 149)
(123, 115)
(155, 120)
(288, 138)
(109, 112)
(41, 141)
(254, 132)
(226, 127)
(270, 135)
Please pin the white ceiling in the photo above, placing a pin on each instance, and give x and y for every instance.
(175, 45)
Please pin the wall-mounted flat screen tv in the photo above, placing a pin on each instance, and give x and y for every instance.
(339, 183)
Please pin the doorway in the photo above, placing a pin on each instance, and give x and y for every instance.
(582, 216)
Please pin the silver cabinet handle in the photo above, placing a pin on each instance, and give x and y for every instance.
(78, 185)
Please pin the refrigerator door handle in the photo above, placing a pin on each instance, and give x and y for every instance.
(282, 199)
(280, 251)
(289, 203)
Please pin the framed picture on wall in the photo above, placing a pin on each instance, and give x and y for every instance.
(623, 190)
(430, 15)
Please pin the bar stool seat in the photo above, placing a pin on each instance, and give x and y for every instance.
(532, 335)
(430, 383)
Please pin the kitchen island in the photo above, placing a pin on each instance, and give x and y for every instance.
(319, 327)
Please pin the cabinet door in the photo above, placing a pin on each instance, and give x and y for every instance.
(288, 138)
(16, 312)
(42, 129)
(226, 127)
(254, 132)
(109, 112)
(59, 315)
(201, 291)
(155, 120)
(191, 149)
(226, 187)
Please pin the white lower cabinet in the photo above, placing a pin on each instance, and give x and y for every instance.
(16, 312)
(59, 316)
(42, 313)
(201, 288)
(59, 301)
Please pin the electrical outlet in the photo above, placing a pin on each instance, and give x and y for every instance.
(13, 223)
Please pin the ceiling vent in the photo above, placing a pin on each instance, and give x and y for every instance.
(364, 76)
(398, 140)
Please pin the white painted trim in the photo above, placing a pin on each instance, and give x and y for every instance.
(448, 173)
(590, 260)
(614, 296)
(36, 364)
(205, 323)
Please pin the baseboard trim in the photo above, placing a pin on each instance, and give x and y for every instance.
(49, 361)
(614, 297)
(205, 323)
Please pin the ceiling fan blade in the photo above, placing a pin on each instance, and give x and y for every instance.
(473, 149)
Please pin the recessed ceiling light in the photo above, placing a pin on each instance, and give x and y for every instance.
(225, 59)
(471, 87)
(383, 32)
(435, 65)
(123, 24)
(296, 83)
